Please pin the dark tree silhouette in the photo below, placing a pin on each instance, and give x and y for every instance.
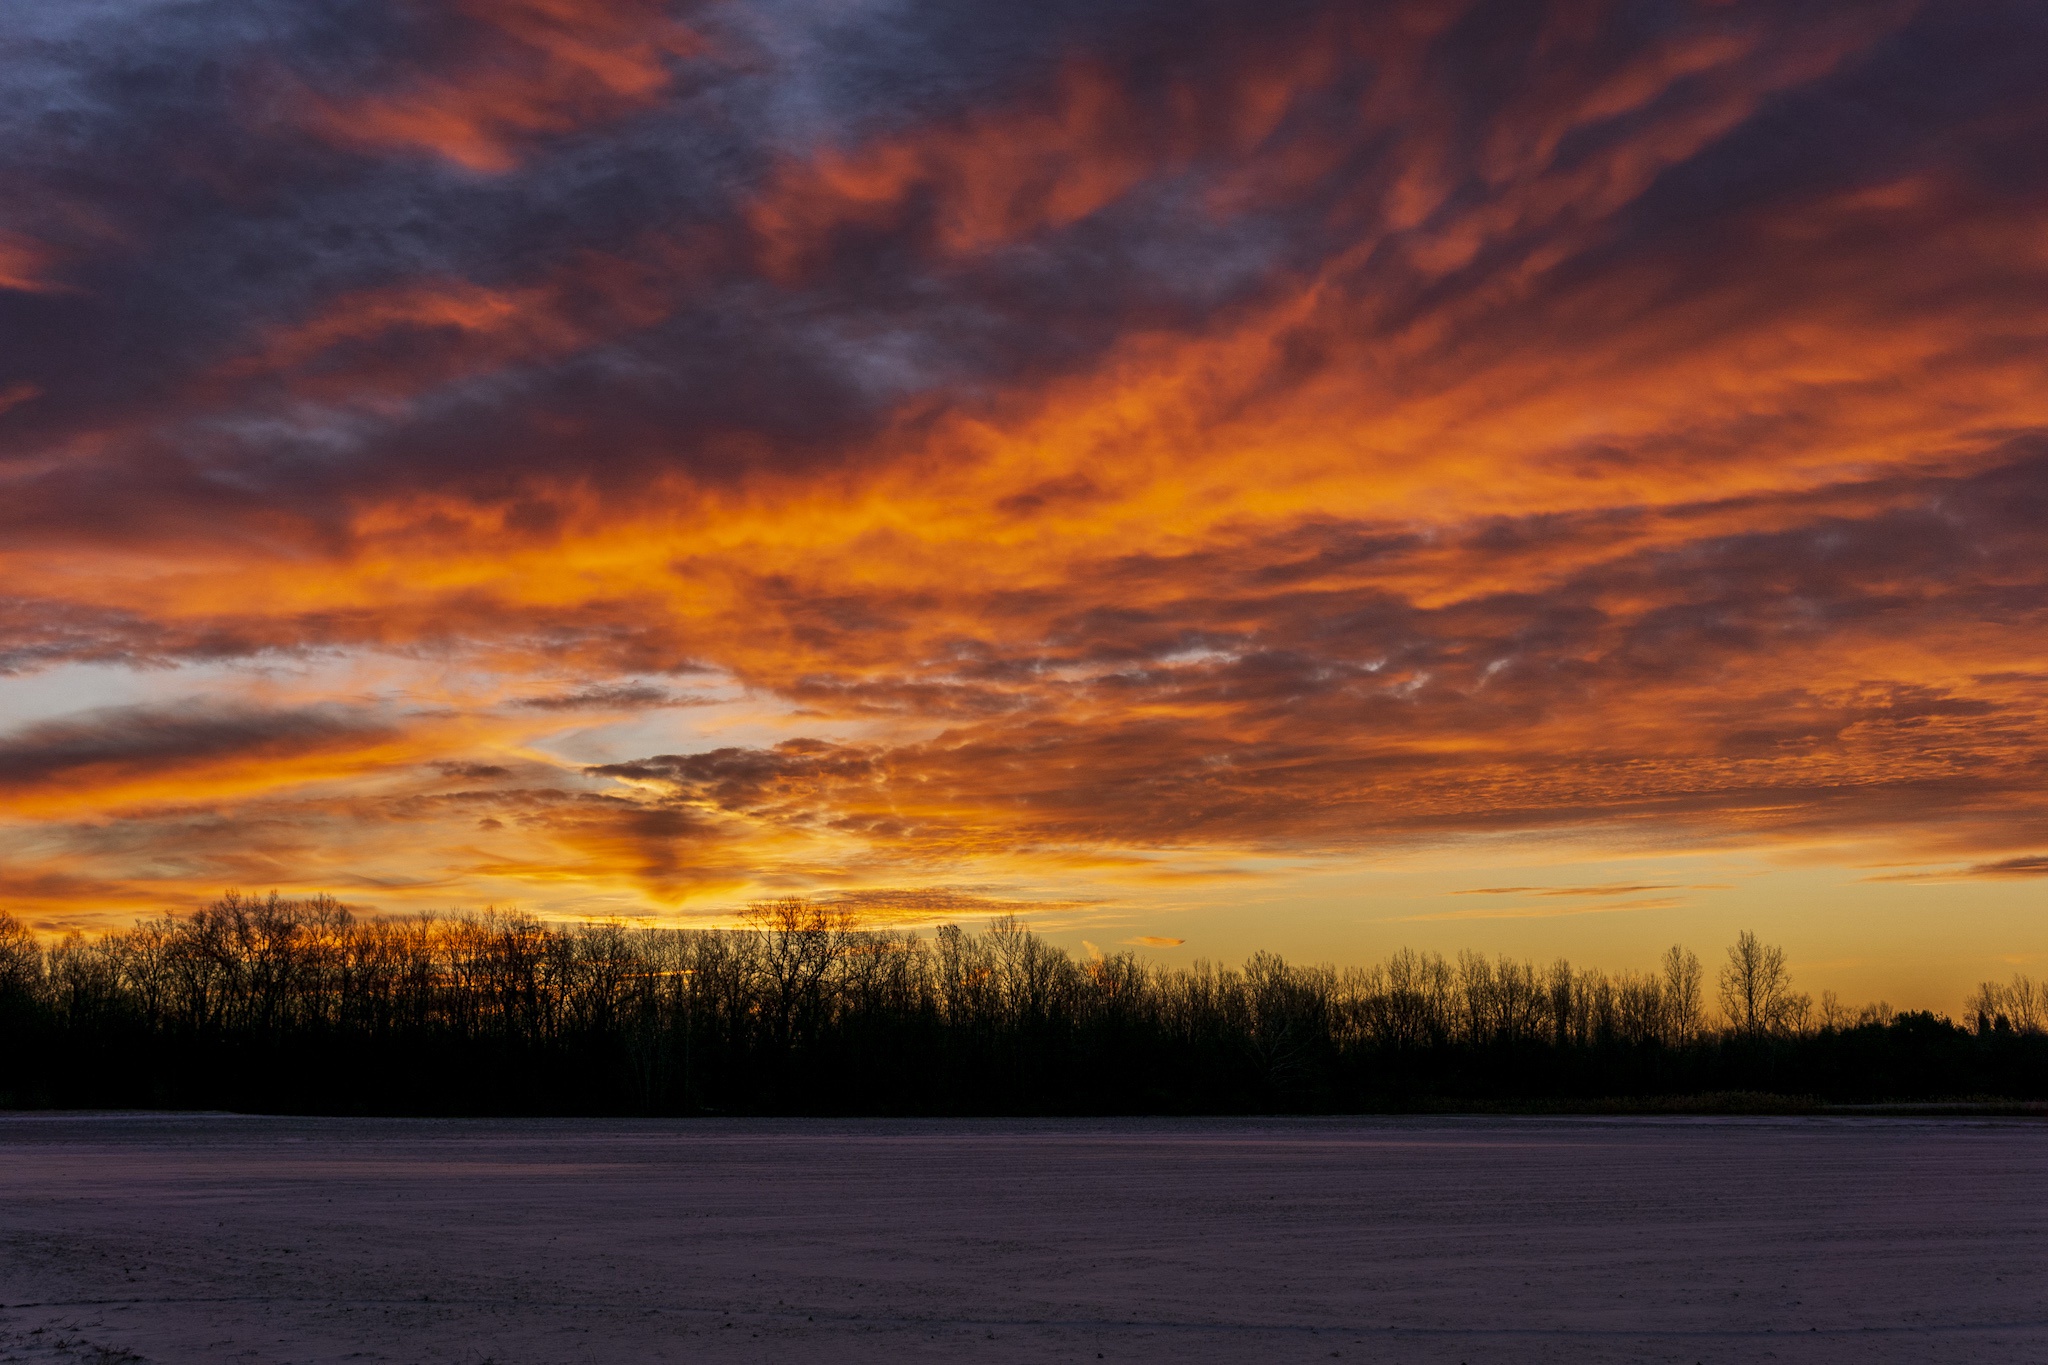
(1756, 990)
(280, 1004)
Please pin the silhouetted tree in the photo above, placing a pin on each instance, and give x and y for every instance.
(1684, 1005)
(21, 960)
(269, 1002)
(1756, 991)
(2019, 1003)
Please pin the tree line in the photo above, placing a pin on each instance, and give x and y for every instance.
(269, 1003)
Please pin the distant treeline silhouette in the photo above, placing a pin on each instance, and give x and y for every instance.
(298, 1005)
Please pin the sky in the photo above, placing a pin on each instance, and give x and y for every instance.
(1558, 478)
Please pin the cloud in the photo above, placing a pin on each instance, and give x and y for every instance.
(2027, 865)
(750, 779)
(517, 71)
(123, 747)
(472, 771)
(2022, 865)
(1092, 440)
(612, 697)
(1154, 941)
(24, 267)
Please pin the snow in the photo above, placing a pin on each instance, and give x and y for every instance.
(215, 1237)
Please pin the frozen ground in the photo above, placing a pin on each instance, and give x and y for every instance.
(227, 1239)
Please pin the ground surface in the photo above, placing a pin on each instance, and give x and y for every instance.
(225, 1239)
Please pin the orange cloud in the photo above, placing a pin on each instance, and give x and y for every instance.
(1048, 161)
(25, 265)
(538, 67)
(387, 344)
(1523, 479)
(995, 179)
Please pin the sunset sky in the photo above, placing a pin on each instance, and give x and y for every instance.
(1553, 478)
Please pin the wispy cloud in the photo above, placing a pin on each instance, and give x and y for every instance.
(2022, 865)
(611, 697)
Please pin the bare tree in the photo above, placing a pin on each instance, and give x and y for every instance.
(2017, 1006)
(1684, 1005)
(243, 997)
(1288, 1010)
(1833, 1013)
(1414, 1010)
(1796, 1016)
(1638, 1008)
(800, 940)
(2026, 1003)
(1756, 990)
(1032, 974)
(21, 958)
(1475, 996)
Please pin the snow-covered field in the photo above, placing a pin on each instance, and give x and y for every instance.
(213, 1238)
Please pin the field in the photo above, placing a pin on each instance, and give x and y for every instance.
(215, 1238)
